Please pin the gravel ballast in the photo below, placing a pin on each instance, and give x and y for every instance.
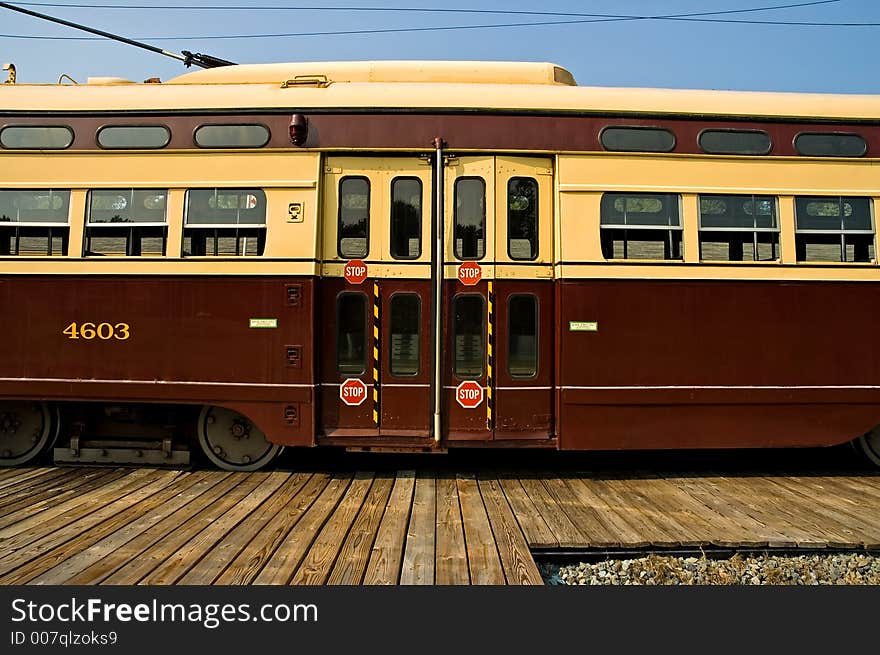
(753, 569)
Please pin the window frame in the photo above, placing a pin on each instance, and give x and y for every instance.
(755, 230)
(366, 236)
(794, 144)
(391, 299)
(363, 297)
(646, 128)
(483, 335)
(842, 232)
(537, 246)
(49, 226)
(130, 226)
(103, 128)
(69, 129)
(260, 230)
(537, 305)
(624, 227)
(391, 231)
(485, 222)
(736, 131)
(195, 136)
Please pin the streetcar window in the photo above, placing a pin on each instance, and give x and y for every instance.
(353, 226)
(351, 333)
(232, 136)
(224, 222)
(735, 142)
(834, 229)
(738, 228)
(406, 218)
(637, 139)
(405, 319)
(830, 145)
(133, 136)
(470, 218)
(468, 329)
(522, 218)
(522, 336)
(36, 137)
(34, 222)
(640, 226)
(126, 222)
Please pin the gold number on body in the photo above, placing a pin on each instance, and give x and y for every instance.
(103, 331)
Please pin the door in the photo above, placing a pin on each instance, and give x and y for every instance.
(375, 339)
(374, 336)
(498, 299)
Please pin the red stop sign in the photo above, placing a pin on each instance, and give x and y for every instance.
(355, 271)
(469, 394)
(353, 392)
(469, 273)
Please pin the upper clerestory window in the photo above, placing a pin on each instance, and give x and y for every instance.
(133, 137)
(735, 142)
(637, 139)
(232, 136)
(817, 144)
(36, 137)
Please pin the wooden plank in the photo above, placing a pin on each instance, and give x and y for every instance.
(633, 508)
(253, 557)
(663, 504)
(564, 531)
(174, 566)
(773, 511)
(534, 527)
(80, 535)
(383, 567)
(866, 485)
(583, 516)
(419, 553)
(283, 562)
(28, 478)
(318, 562)
(355, 552)
(74, 495)
(99, 498)
(212, 565)
(451, 566)
(586, 492)
(516, 560)
(484, 562)
(131, 537)
(746, 529)
(860, 521)
(29, 495)
(178, 533)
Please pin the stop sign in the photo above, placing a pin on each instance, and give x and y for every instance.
(469, 273)
(353, 392)
(355, 271)
(469, 394)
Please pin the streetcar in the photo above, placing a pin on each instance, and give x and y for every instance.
(414, 256)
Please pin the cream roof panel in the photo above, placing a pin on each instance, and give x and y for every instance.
(464, 72)
(432, 96)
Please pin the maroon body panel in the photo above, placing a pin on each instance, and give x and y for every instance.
(190, 341)
(677, 364)
(562, 132)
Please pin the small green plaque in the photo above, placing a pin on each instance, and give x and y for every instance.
(263, 323)
(583, 326)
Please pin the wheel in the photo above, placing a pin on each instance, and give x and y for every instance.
(232, 441)
(869, 445)
(27, 429)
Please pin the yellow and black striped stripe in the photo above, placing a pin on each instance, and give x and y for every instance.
(490, 356)
(376, 361)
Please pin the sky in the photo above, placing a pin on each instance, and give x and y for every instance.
(641, 52)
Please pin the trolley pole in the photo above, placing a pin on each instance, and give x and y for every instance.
(438, 287)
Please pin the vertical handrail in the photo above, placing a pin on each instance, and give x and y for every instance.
(438, 286)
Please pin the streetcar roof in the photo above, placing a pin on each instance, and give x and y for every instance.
(437, 86)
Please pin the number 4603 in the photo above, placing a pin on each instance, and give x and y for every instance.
(103, 331)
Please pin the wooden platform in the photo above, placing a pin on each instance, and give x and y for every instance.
(147, 526)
